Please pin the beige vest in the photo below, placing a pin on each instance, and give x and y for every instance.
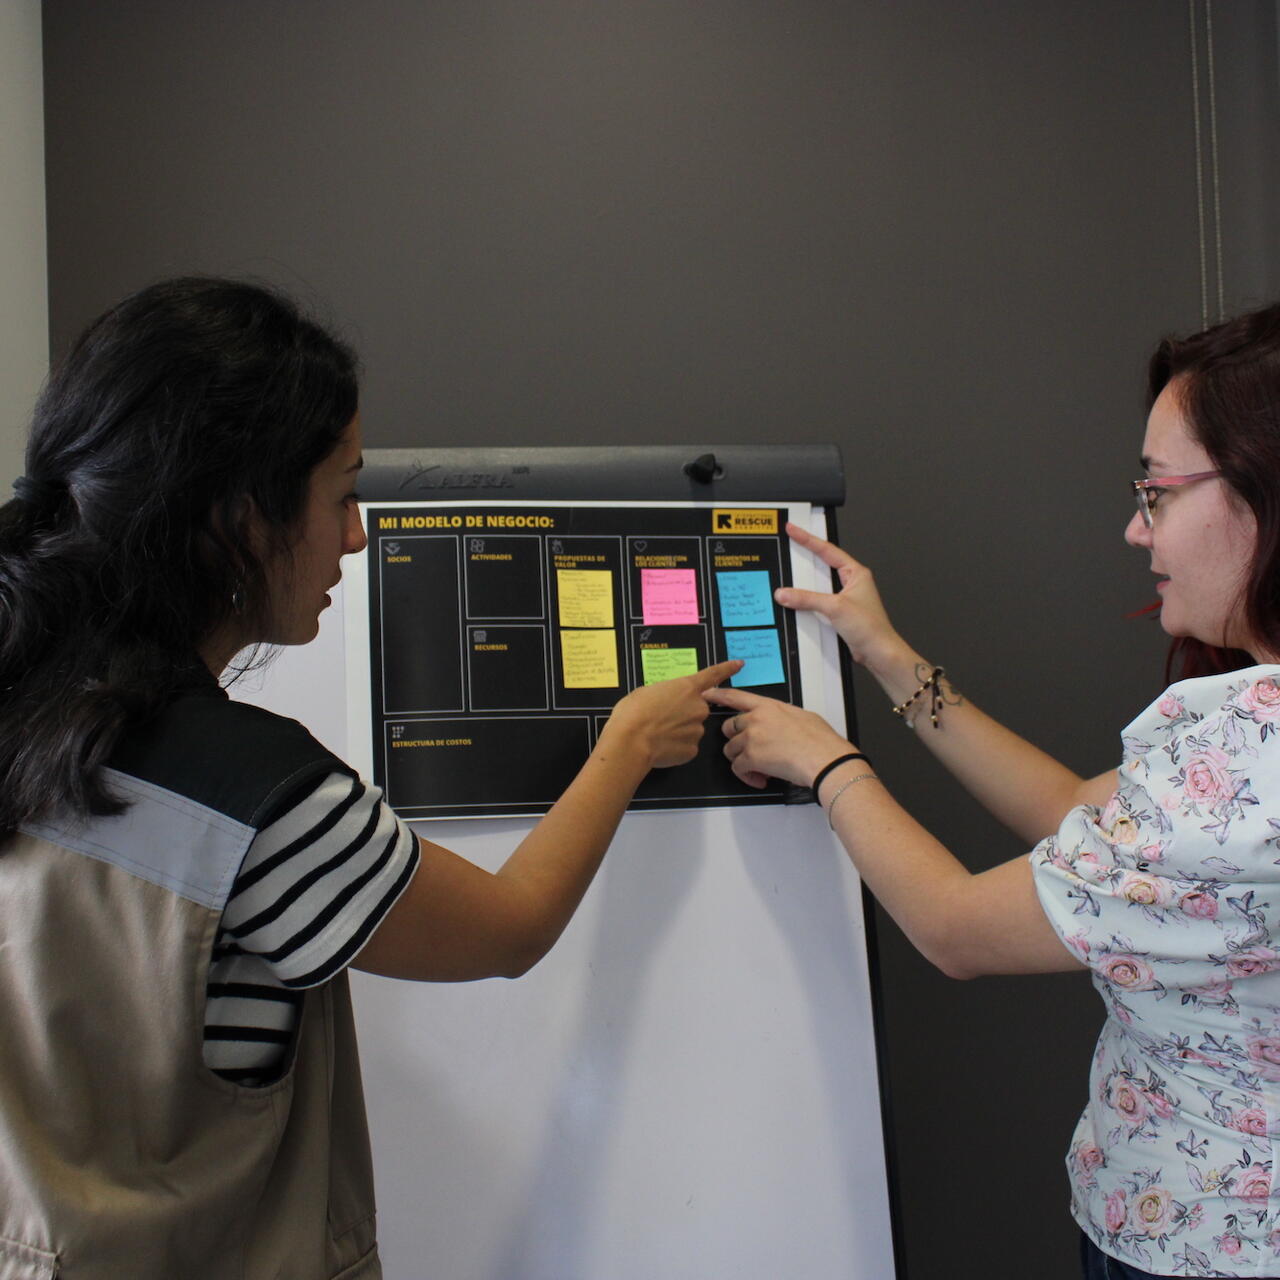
(122, 1157)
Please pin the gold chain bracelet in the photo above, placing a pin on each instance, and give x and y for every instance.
(853, 782)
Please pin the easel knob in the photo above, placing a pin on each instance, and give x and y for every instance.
(704, 469)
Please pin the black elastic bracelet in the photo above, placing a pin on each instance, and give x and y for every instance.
(835, 764)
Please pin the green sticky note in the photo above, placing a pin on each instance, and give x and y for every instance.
(666, 664)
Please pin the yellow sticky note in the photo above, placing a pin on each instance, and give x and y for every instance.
(666, 664)
(590, 659)
(586, 597)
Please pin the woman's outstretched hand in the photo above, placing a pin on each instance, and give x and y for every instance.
(772, 739)
(855, 610)
(668, 717)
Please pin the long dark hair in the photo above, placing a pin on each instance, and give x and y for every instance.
(1229, 390)
(177, 413)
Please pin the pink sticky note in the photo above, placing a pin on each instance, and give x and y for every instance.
(668, 596)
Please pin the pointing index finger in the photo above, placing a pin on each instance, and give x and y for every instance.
(738, 699)
(709, 677)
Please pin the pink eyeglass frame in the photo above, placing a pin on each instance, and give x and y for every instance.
(1146, 501)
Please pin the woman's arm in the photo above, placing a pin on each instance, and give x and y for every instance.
(456, 921)
(1019, 784)
(966, 924)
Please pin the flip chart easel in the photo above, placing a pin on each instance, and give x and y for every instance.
(688, 1085)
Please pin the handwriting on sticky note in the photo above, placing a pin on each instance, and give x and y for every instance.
(761, 653)
(745, 600)
(586, 597)
(666, 664)
(590, 659)
(669, 596)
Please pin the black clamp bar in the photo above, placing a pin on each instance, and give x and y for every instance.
(811, 473)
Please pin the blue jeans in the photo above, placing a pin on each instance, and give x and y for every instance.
(1096, 1265)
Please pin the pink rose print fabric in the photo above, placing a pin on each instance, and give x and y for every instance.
(1171, 895)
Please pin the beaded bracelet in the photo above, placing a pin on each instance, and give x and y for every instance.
(932, 681)
(835, 764)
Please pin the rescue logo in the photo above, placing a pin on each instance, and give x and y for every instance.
(744, 521)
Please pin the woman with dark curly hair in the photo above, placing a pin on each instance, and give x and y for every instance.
(1162, 877)
(185, 879)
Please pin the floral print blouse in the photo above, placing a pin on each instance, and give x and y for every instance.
(1171, 895)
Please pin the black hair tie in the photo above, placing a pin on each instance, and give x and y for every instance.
(835, 764)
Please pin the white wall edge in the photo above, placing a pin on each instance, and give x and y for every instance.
(24, 287)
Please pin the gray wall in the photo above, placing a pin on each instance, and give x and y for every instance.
(24, 310)
(942, 235)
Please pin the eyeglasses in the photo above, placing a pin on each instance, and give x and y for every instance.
(1148, 491)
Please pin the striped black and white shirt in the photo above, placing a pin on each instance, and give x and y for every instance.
(314, 885)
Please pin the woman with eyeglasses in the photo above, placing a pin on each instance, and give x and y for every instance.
(1161, 877)
(184, 879)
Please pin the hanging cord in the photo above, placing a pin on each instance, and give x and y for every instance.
(1215, 171)
(1213, 151)
(1195, 103)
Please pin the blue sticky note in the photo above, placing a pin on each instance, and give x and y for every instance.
(762, 654)
(745, 599)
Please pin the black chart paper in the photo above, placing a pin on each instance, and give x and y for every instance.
(500, 638)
